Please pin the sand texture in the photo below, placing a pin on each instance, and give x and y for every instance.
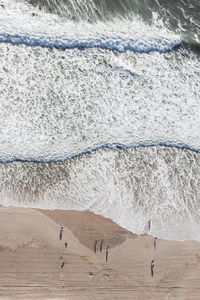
(31, 256)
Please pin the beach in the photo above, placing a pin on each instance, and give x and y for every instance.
(100, 149)
(32, 254)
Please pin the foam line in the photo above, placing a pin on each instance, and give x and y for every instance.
(146, 45)
(113, 146)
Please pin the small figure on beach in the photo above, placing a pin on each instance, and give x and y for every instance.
(61, 232)
(152, 266)
(101, 246)
(155, 240)
(107, 253)
(95, 246)
(62, 266)
(149, 225)
(65, 245)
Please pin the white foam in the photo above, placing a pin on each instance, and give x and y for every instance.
(130, 187)
(54, 104)
(40, 28)
(57, 103)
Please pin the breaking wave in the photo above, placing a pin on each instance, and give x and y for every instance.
(118, 44)
(130, 186)
(183, 18)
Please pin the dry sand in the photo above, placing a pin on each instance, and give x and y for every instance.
(31, 256)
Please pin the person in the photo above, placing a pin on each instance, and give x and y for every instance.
(149, 225)
(107, 253)
(65, 245)
(152, 266)
(62, 265)
(101, 246)
(155, 240)
(95, 246)
(61, 232)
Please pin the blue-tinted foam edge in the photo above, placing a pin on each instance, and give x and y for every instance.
(113, 146)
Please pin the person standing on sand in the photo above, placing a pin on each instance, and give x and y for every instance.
(62, 266)
(155, 240)
(65, 245)
(61, 232)
(107, 253)
(95, 246)
(101, 246)
(152, 266)
(149, 225)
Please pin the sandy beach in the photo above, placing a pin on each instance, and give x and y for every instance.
(32, 254)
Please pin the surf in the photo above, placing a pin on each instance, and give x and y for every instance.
(129, 186)
(147, 45)
(100, 111)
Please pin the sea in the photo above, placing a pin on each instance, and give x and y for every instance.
(100, 110)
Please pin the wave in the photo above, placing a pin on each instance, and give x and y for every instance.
(130, 186)
(114, 146)
(51, 32)
(184, 17)
(36, 27)
(146, 45)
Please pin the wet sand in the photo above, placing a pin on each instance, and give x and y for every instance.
(31, 256)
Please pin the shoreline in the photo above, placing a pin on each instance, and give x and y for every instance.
(31, 258)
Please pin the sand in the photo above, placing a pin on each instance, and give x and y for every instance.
(31, 256)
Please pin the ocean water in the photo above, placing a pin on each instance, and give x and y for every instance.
(100, 110)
